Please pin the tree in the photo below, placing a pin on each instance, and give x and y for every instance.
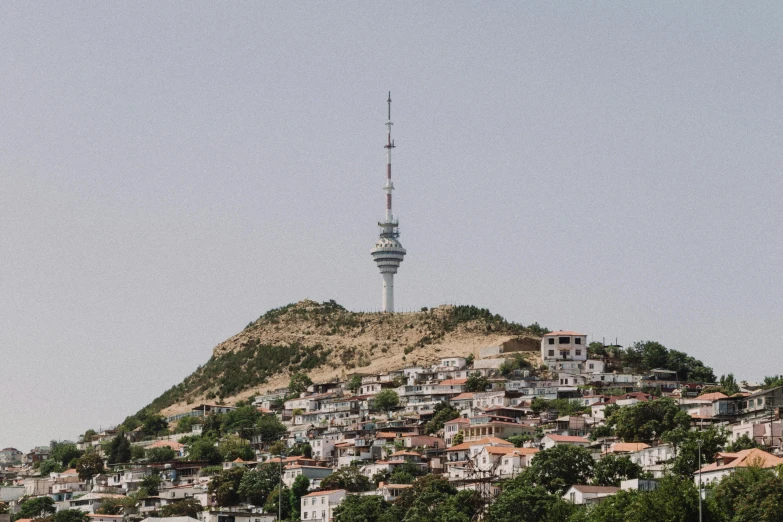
(111, 506)
(521, 501)
(773, 382)
(89, 465)
(686, 447)
(751, 494)
(299, 383)
(355, 383)
(426, 499)
(256, 484)
(742, 443)
(150, 484)
(299, 488)
(675, 500)
(65, 453)
(36, 507)
(476, 383)
(137, 452)
(71, 515)
(155, 425)
(161, 454)
(269, 428)
(241, 420)
(386, 400)
(406, 473)
(50, 466)
(234, 447)
(279, 500)
(88, 435)
(443, 413)
(225, 486)
(729, 384)
(119, 449)
(349, 479)
(188, 507)
(204, 450)
(639, 422)
(559, 467)
(612, 469)
(519, 440)
(358, 508)
(185, 424)
(458, 438)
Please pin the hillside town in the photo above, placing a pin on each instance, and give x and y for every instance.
(476, 424)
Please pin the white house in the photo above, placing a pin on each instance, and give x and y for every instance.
(589, 494)
(320, 504)
(564, 346)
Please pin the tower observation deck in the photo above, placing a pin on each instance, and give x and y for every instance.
(388, 252)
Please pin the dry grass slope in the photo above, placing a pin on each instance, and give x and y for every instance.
(329, 342)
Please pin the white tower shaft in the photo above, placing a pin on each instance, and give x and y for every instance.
(388, 292)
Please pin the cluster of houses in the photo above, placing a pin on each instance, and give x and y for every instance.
(340, 424)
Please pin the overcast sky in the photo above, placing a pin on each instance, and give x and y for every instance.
(171, 170)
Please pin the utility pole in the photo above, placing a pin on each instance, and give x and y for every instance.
(699, 441)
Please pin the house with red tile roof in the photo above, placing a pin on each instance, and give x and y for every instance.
(727, 463)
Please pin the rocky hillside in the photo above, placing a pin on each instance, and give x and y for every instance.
(328, 342)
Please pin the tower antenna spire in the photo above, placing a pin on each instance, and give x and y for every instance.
(388, 252)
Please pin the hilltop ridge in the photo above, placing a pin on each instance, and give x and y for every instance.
(327, 341)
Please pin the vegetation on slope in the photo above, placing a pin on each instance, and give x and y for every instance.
(300, 337)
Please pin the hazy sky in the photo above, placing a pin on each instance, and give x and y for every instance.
(171, 170)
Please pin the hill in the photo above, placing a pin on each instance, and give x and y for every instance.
(327, 342)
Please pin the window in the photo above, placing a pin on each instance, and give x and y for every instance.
(564, 340)
(551, 353)
(323, 515)
(577, 340)
(322, 499)
(551, 340)
(579, 352)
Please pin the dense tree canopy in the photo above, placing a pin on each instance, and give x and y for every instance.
(71, 515)
(204, 449)
(612, 469)
(188, 507)
(256, 484)
(476, 383)
(36, 507)
(299, 383)
(386, 400)
(686, 445)
(225, 486)
(89, 465)
(559, 467)
(522, 501)
(443, 412)
(644, 420)
(750, 495)
(349, 479)
(162, 454)
(119, 450)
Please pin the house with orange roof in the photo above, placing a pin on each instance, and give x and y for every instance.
(727, 463)
(624, 448)
(320, 505)
(551, 440)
